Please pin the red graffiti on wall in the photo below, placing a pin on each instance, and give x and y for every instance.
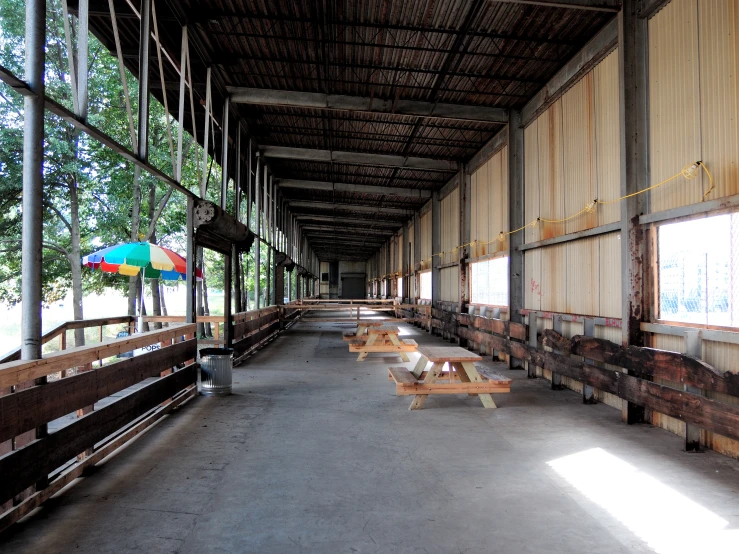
(535, 288)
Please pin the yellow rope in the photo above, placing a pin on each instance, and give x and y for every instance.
(689, 172)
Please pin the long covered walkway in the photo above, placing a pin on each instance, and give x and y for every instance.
(314, 453)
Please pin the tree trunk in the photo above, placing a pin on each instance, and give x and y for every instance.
(142, 304)
(161, 299)
(133, 288)
(75, 253)
(206, 309)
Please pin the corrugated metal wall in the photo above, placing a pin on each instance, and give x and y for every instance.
(450, 216)
(426, 241)
(489, 205)
(571, 158)
(449, 284)
(694, 99)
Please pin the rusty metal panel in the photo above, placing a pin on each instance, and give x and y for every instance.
(554, 278)
(578, 129)
(607, 138)
(583, 270)
(450, 284)
(482, 208)
(719, 93)
(674, 103)
(498, 200)
(551, 172)
(473, 212)
(532, 279)
(531, 178)
(609, 278)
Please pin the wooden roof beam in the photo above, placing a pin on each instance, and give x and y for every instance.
(348, 187)
(459, 112)
(359, 158)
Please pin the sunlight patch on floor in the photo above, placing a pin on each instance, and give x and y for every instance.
(666, 520)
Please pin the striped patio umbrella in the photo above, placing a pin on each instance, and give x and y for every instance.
(140, 258)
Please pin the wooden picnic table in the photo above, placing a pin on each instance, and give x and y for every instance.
(464, 377)
(382, 338)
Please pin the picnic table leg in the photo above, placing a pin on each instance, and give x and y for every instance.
(462, 375)
(420, 366)
(370, 341)
(394, 339)
(433, 373)
(470, 371)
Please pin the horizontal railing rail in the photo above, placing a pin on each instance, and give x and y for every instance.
(46, 460)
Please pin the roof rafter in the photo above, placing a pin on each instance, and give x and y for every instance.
(334, 206)
(359, 158)
(431, 110)
(348, 187)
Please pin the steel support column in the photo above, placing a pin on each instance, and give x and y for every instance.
(190, 312)
(633, 108)
(258, 242)
(224, 155)
(435, 249)
(33, 180)
(516, 217)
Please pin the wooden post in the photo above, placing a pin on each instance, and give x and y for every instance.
(693, 347)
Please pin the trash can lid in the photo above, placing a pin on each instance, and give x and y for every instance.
(216, 351)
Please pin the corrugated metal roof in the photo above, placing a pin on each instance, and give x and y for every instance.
(469, 52)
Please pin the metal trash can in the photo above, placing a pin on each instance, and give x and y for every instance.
(216, 371)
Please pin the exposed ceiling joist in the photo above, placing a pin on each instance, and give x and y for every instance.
(359, 158)
(266, 97)
(379, 233)
(597, 5)
(348, 187)
(334, 206)
(374, 222)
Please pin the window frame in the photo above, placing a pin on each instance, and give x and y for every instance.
(654, 246)
(489, 258)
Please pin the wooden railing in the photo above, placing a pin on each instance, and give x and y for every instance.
(60, 332)
(587, 359)
(35, 462)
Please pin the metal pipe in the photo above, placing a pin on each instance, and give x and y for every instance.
(190, 312)
(83, 46)
(224, 155)
(33, 183)
(143, 122)
(258, 242)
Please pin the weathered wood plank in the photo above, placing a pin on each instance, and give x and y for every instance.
(651, 362)
(32, 407)
(452, 388)
(15, 373)
(36, 460)
(402, 376)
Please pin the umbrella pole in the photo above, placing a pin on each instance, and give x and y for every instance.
(141, 304)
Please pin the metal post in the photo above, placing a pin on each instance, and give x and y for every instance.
(83, 48)
(227, 318)
(143, 121)
(516, 217)
(33, 181)
(258, 242)
(224, 154)
(693, 347)
(249, 175)
(633, 106)
(190, 312)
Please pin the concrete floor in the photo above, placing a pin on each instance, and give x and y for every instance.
(314, 453)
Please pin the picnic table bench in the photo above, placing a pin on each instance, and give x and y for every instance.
(462, 377)
(383, 338)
